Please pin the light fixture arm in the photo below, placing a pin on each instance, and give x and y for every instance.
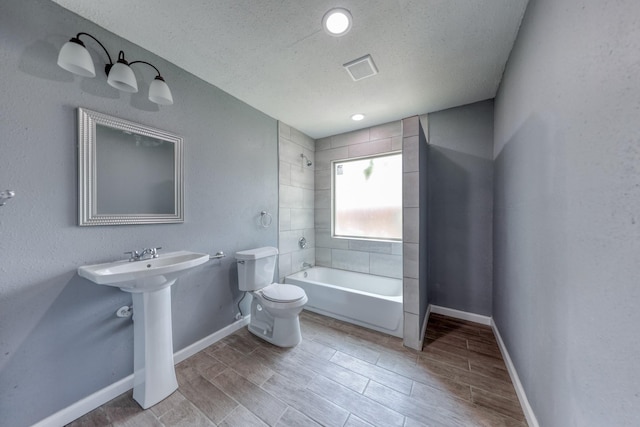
(108, 66)
(151, 65)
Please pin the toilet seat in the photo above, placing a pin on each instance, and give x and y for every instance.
(281, 293)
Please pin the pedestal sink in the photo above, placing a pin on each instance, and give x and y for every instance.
(149, 282)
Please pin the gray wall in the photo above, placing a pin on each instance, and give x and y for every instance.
(567, 211)
(296, 185)
(461, 207)
(59, 338)
(380, 258)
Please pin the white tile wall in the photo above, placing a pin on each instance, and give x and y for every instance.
(297, 193)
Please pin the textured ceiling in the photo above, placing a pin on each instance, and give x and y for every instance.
(274, 55)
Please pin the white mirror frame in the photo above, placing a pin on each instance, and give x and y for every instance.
(87, 185)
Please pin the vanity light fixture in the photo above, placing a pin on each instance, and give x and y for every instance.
(337, 22)
(74, 57)
(357, 117)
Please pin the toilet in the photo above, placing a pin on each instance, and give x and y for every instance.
(275, 307)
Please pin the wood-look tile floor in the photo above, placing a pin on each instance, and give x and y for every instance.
(340, 375)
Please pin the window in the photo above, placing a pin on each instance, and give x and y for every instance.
(367, 197)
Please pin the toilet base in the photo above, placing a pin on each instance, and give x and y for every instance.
(279, 331)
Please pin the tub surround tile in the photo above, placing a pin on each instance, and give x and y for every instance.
(410, 292)
(284, 173)
(411, 190)
(370, 246)
(301, 139)
(324, 239)
(322, 218)
(410, 126)
(291, 197)
(350, 260)
(350, 138)
(289, 241)
(323, 144)
(284, 216)
(324, 158)
(370, 148)
(411, 333)
(301, 219)
(322, 198)
(410, 155)
(323, 179)
(411, 225)
(284, 265)
(284, 130)
(385, 265)
(386, 130)
(296, 196)
(323, 257)
(302, 176)
(308, 198)
(411, 262)
(396, 143)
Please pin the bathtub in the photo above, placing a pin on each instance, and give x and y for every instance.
(374, 302)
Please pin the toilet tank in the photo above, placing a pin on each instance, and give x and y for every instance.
(256, 268)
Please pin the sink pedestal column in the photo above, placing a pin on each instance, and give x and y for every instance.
(154, 374)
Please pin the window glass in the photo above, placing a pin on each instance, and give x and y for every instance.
(367, 197)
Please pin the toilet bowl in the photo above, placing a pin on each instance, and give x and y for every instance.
(274, 307)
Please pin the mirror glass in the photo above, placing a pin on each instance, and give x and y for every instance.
(128, 173)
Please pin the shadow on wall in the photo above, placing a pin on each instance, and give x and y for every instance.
(460, 219)
(531, 304)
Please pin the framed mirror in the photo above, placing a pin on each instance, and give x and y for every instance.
(128, 173)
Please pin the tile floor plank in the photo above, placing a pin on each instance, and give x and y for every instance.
(359, 405)
(312, 405)
(264, 405)
(340, 375)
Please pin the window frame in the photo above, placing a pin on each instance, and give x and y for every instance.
(333, 197)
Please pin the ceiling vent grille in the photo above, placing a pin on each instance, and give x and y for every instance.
(361, 68)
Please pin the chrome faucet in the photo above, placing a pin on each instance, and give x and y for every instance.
(146, 253)
(306, 265)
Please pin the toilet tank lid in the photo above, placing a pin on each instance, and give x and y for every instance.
(256, 253)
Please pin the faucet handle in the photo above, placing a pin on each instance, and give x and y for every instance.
(154, 251)
(134, 255)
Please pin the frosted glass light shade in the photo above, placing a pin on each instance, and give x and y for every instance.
(122, 78)
(159, 92)
(75, 58)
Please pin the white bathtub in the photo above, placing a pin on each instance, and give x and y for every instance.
(374, 302)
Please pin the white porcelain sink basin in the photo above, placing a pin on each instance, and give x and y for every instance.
(144, 275)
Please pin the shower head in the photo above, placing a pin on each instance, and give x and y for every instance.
(309, 163)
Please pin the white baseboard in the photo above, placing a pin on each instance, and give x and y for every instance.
(522, 396)
(463, 315)
(100, 397)
(205, 342)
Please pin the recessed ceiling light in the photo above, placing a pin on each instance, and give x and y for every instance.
(357, 117)
(337, 22)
